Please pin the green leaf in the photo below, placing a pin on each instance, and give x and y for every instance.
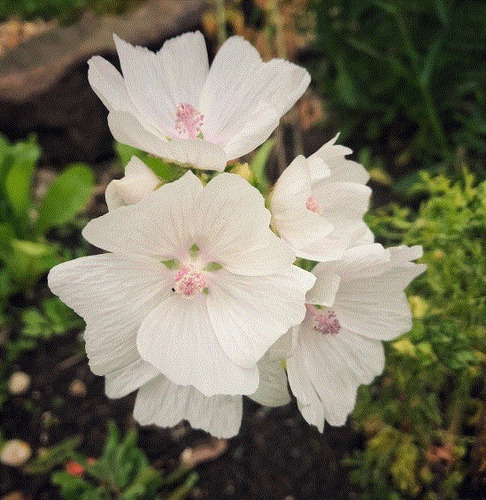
(259, 163)
(67, 196)
(166, 171)
(18, 182)
(53, 456)
(72, 487)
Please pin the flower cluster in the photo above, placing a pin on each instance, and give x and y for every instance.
(204, 294)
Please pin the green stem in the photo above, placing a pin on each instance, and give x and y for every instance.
(278, 22)
(221, 19)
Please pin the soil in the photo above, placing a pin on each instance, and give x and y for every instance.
(277, 455)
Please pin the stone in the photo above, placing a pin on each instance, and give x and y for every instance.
(18, 383)
(77, 388)
(15, 453)
(44, 86)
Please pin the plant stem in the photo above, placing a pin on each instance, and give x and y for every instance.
(221, 19)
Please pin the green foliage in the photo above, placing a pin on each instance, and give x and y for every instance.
(53, 456)
(66, 197)
(408, 75)
(122, 472)
(25, 252)
(168, 172)
(65, 10)
(55, 318)
(423, 416)
(258, 165)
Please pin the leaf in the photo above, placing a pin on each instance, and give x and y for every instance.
(53, 456)
(165, 170)
(18, 182)
(259, 163)
(72, 487)
(67, 196)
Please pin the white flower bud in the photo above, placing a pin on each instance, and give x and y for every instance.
(139, 181)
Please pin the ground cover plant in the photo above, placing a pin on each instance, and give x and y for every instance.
(424, 419)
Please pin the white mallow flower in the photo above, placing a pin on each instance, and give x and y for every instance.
(139, 181)
(172, 105)
(318, 204)
(197, 287)
(360, 302)
(163, 403)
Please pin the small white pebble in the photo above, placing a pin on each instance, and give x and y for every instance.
(15, 453)
(18, 383)
(77, 388)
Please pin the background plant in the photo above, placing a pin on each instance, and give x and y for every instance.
(64, 10)
(122, 472)
(407, 77)
(424, 420)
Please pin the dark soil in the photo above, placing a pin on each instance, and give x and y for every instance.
(277, 455)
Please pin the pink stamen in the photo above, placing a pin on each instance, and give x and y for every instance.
(188, 121)
(188, 281)
(326, 322)
(314, 205)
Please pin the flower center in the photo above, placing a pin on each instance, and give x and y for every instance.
(326, 322)
(189, 280)
(314, 205)
(188, 121)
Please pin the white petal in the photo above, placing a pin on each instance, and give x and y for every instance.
(336, 365)
(293, 187)
(228, 95)
(284, 83)
(197, 153)
(113, 294)
(371, 299)
(184, 67)
(325, 288)
(139, 181)
(161, 224)
(237, 84)
(250, 313)
(108, 84)
(325, 249)
(178, 338)
(158, 83)
(342, 170)
(261, 121)
(294, 222)
(233, 229)
(129, 378)
(272, 390)
(128, 129)
(358, 262)
(308, 402)
(163, 403)
(285, 345)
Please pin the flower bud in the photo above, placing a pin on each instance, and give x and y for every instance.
(139, 181)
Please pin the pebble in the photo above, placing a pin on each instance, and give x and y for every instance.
(14, 495)
(18, 383)
(15, 453)
(77, 388)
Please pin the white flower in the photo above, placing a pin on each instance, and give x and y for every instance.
(318, 204)
(197, 286)
(362, 302)
(172, 105)
(139, 181)
(163, 403)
